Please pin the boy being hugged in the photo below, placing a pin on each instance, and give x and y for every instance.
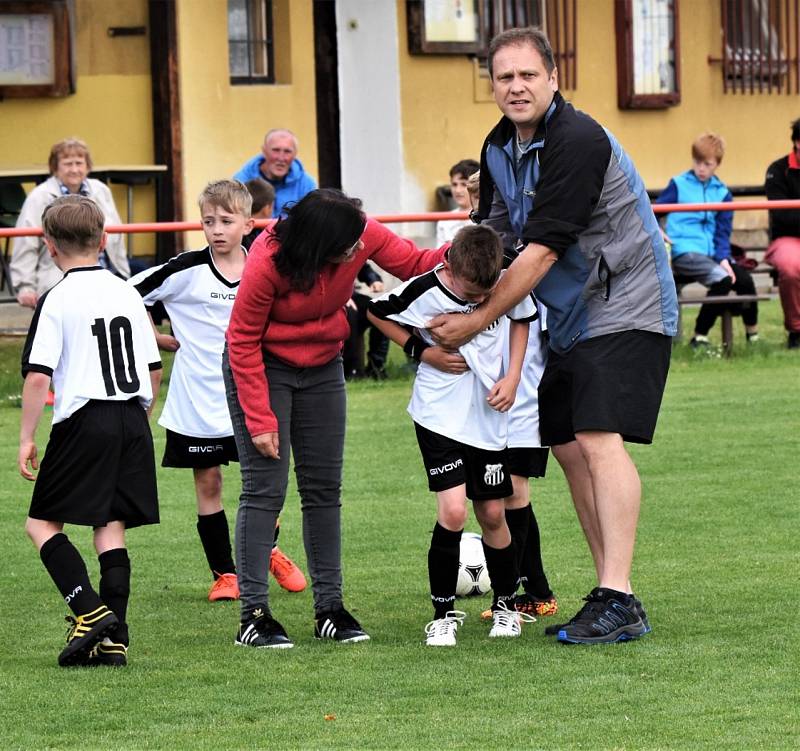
(197, 289)
(458, 405)
(527, 458)
(91, 335)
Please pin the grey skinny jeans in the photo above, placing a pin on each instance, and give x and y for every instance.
(310, 404)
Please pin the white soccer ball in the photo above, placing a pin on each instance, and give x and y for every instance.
(473, 576)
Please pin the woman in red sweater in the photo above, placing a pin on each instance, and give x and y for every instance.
(285, 384)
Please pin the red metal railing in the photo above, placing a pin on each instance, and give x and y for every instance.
(430, 216)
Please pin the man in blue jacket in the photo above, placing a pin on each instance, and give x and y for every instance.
(278, 164)
(590, 246)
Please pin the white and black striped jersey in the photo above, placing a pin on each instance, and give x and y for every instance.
(90, 333)
(198, 300)
(454, 405)
(523, 417)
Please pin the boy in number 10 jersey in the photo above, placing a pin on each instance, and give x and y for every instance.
(91, 335)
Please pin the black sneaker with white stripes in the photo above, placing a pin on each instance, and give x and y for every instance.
(263, 632)
(340, 626)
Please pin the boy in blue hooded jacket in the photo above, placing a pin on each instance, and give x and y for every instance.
(701, 247)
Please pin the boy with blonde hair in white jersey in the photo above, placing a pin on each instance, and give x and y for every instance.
(91, 335)
(458, 405)
(197, 289)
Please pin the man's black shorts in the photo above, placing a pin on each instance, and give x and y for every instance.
(527, 462)
(612, 383)
(98, 467)
(449, 463)
(198, 453)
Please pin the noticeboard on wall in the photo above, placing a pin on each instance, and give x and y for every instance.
(444, 27)
(35, 49)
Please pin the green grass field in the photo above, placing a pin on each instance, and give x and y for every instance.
(717, 567)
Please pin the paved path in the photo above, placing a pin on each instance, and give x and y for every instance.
(14, 319)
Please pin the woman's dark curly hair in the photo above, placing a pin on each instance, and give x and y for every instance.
(319, 228)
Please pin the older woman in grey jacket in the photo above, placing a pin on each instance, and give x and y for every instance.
(32, 270)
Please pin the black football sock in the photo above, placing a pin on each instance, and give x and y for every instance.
(277, 534)
(67, 569)
(517, 520)
(216, 539)
(115, 581)
(501, 563)
(531, 568)
(443, 569)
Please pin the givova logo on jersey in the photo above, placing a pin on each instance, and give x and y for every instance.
(493, 474)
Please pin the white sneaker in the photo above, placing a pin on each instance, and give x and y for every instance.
(442, 631)
(506, 622)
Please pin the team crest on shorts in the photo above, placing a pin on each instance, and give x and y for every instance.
(493, 475)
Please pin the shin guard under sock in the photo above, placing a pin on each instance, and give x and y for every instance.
(531, 568)
(503, 573)
(443, 568)
(216, 539)
(68, 571)
(517, 521)
(115, 581)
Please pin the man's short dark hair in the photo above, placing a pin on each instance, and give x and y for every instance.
(796, 130)
(476, 255)
(465, 168)
(518, 38)
(73, 223)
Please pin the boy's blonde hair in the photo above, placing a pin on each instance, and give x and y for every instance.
(228, 195)
(65, 147)
(476, 255)
(709, 146)
(74, 224)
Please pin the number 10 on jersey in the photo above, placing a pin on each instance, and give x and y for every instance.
(120, 336)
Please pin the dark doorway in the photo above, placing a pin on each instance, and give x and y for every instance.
(326, 66)
(166, 123)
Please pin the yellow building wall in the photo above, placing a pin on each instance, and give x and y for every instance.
(111, 109)
(224, 125)
(447, 109)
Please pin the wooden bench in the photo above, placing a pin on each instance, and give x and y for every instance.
(726, 315)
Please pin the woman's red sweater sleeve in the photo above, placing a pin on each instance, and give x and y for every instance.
(249, 320)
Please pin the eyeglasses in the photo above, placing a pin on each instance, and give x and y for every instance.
(354, 247)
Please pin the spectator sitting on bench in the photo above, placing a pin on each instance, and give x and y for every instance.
(701, 240)
(783, 253)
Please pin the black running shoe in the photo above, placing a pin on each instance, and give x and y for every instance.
(263, 632)
(639, 608)
(604, 619)
(84, 632)
(340, 626)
